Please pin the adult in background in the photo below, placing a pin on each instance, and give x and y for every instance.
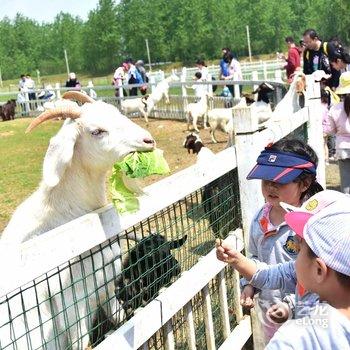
(21, 96)
(338, 124)
(234, 72)
(73, 82)
(293, 59)
(133, 76)
(119, 78)
(30, 86)
(203, 69)
(140, 66)
(315, 55)
(225, 62)
(340, 59)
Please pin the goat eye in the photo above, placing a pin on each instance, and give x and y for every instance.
(98, 132)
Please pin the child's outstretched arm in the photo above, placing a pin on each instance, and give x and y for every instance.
(225, 253)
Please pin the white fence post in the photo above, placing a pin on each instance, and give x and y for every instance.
(315, 131)
(183, 88)
(246, 125)
(255, 77)
(58, 91)
(278, 76)
(265, 70)
(28, 106)
(152, 81)
(236, 91)
(120, 87)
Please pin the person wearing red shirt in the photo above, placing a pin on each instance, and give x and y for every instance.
(293, 59)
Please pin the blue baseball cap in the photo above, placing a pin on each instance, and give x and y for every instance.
(280, 167)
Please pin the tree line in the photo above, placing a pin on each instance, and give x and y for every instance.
(177, 30)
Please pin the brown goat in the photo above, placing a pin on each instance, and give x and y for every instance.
(7, 110)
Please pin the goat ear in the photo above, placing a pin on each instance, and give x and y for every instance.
(177, 243)
(59, 154)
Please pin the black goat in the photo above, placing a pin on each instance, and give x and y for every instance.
(148, 267)
(7, 110)
(263, 91)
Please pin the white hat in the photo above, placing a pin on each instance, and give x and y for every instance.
(324, 222)
(72, 75)
(318, 75)
(344, 84)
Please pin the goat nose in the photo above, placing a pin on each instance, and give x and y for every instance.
(148, 141)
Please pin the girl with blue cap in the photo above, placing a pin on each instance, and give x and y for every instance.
(287, 170)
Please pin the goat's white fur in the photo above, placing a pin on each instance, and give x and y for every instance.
(160, 91)
(289, 103)
(223, 117)
(197, 110)
(73, 184)
(135, 105)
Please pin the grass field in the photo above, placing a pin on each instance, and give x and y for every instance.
(21, 156)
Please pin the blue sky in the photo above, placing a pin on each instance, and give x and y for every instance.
(46, 10)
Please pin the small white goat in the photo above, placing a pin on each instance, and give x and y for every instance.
(197, 110)
(160, 91)
(290, 103)
(222, 117)
(94, 137)
(138, 104)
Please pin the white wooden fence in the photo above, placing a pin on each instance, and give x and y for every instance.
(41, 254)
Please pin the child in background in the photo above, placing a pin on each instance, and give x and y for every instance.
(338, 124)
(199, 89)
(288, 173)
(322, 267)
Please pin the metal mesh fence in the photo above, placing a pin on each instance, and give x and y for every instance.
(78, 303)
(179, 323)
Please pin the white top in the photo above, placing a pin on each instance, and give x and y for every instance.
(235, 67)
(325, 328)
(119, 75)
(199, 89)
(204, 70)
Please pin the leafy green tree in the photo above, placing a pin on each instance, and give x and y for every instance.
(101, 38)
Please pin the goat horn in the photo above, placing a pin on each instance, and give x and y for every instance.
(78, 96)
(61, 112)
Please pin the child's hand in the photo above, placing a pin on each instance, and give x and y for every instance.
(225, 253)
(278, 313)
(247, 296)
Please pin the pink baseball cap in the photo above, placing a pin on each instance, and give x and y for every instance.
(324, 222)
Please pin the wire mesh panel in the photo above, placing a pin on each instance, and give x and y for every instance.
(180, 325)
(76, 304)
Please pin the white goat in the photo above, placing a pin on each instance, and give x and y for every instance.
(290, 102)
(60, 311)
(222, 117)
(138, 104)
(197, 110)
(160, 91)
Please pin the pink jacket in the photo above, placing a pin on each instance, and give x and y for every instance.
(338, 123)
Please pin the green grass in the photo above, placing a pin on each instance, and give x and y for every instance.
(21, 157)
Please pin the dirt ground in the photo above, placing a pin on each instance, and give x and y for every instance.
(170, 134)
